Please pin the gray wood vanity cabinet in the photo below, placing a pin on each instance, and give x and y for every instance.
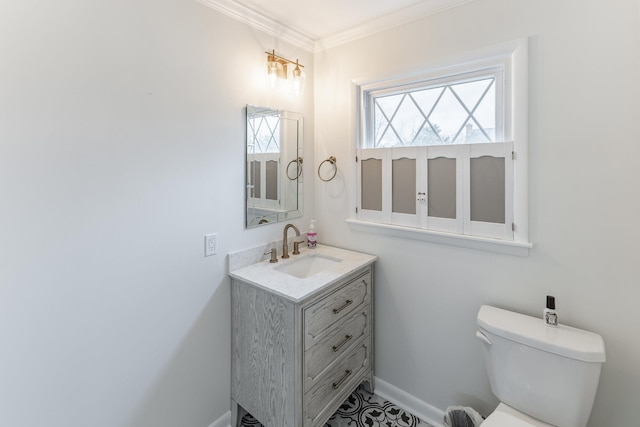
(293, 363)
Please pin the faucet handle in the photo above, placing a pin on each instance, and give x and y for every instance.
(296, 247)
(274, 255)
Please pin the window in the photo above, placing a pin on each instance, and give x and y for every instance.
(439, 152)
(464, 110)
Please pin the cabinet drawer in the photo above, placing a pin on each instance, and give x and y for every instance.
(336, 343)
(330, 309)
(336, 384)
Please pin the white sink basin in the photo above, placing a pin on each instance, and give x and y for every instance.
(308, 265)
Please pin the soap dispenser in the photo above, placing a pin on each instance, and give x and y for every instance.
(312, 237)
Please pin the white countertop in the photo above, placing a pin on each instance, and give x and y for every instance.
(266, 275)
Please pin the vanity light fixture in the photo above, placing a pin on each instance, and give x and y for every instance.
(277, 69)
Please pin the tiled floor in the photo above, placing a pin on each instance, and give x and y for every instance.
(363, 409)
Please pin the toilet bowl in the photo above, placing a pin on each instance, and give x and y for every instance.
(543, 376)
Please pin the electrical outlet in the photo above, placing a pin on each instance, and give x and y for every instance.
(210, 244)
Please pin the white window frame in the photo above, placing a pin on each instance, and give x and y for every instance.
(512, 57)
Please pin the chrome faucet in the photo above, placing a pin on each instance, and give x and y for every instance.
(285, 244)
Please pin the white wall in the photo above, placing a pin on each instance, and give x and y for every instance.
(584, 69)
(121, 145)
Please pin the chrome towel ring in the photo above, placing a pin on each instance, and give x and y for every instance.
(331, 160)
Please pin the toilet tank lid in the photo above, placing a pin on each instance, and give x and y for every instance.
(564, 340)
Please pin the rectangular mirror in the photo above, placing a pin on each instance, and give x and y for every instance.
(274, 187)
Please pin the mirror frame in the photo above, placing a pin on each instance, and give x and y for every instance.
(289, 176)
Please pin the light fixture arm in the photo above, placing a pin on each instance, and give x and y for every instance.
(273, 57)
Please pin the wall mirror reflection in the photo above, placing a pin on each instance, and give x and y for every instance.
(274, 165)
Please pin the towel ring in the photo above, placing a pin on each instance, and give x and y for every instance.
(331, 160)
(298, 162)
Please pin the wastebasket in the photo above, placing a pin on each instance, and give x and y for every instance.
(462, 416)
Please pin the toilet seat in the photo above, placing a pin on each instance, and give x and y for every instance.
(506, 416)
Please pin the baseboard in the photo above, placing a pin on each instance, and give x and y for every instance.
(404, 400)
(223, 421)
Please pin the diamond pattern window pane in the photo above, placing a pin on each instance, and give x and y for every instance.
(456, 113)
(389, 104)
(448, 117)
(471, 92)
(407, 121)
(380, 123)
(266, 134)
(426, 99)
(389, 139)
(472, 133)
(485, 114)
(386, 107)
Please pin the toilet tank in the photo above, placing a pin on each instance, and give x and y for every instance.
(548, 373)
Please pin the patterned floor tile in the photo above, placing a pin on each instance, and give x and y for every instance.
(363, 409)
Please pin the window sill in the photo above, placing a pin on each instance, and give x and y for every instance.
(470, 242)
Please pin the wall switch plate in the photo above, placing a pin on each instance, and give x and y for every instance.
(210, 244)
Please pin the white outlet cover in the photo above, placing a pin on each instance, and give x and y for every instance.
(210, 244)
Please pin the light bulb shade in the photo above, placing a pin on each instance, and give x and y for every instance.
(274, 70)
(298, 78)
(272, 67)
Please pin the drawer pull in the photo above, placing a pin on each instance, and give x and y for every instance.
(343, 379)
(347, 338)
(345, 305)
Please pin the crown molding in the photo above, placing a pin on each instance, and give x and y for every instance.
(388, 21)
(287, 34)
(260, 22)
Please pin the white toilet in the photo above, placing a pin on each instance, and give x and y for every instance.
(543, 376)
